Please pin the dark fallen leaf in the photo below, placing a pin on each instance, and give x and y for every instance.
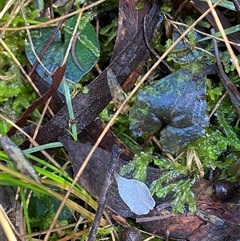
(213, 220)
(176, 106)
(91, 133)
(57, 77)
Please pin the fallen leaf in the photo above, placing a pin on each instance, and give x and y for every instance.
(174, 105)
(135, 194)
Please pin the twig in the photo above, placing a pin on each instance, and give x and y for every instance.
(229, 86)
(221, 30)
(6, 226)
(73, 49)
(113, 160)
(237, 5)
(154, 218)
(217, 105)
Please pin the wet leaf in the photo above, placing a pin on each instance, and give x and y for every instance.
(86, 51)
(135, 194)
(176, 106)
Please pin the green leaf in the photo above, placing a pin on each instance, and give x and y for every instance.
(227, 31)
(225, 4)
(86, 50)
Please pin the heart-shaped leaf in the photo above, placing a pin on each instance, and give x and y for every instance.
(176, 106)
(86, 51)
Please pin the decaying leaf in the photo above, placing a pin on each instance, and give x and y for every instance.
(118, 95)
(176, 106)
(20, 161)
(135, 194)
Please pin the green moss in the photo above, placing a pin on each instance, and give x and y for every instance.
(175, 179)
(214, 92)
(176, 182)
(107, 40)
(42, 209)
(16, 94)
(139, 165)
(166, 6)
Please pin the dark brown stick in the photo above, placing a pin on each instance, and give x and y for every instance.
(57, 78)
(237, 5)
(73, 49)
(113, 160)
(229, 86)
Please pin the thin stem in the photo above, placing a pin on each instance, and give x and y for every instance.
(113, 160)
